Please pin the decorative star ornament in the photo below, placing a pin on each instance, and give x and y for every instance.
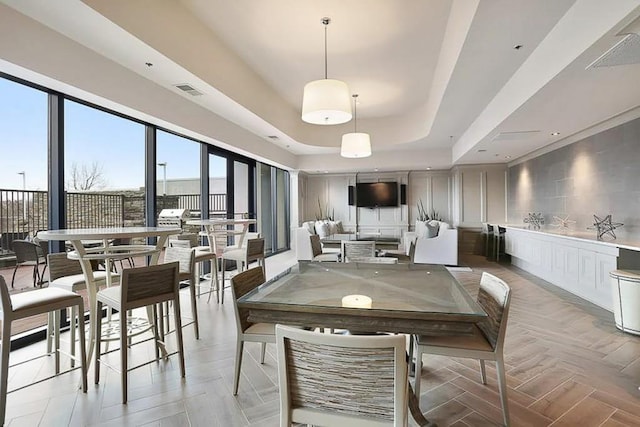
(604, 226)
(562, 223)
(534, 220)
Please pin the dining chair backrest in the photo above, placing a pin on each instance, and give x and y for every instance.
(241, 284)
(61, 266)
(184, 256)
(358, 249)
(255, 249)
(328, 379)
(316, 246)
(25, 250)
(144, 286)
(494, 296)
(5, 297)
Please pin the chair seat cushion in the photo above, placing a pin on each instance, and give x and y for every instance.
(76, 282)
(326, 257)
(204, 254)
(235, 254)
(477, 341)
(261, 329)
(42, 298)
(110, 296)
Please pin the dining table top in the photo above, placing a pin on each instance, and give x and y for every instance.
(404, 298)
(106, 233)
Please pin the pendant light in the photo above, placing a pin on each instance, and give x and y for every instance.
(355, 144)
(326, 101)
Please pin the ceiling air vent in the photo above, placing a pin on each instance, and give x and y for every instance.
(515, 135)
(189, 89)
(625, 52)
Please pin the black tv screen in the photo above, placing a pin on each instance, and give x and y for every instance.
(376, 194)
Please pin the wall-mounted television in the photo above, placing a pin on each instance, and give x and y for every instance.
(376, 194)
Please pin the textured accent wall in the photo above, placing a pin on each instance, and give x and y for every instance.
(597, 175)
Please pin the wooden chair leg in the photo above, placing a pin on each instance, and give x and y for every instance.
(236, 377)
(124, 353)
(483, 372)
(56, 339)
(72, 333)
(502, 386)
(176, 312)
(418, 375)
(4, 366)
(194, 307)
(263, 350)
(98, 338)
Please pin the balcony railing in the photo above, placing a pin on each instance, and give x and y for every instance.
(23, 212)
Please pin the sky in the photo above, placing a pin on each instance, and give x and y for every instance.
(114, 144)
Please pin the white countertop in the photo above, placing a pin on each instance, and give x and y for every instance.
(623, 241)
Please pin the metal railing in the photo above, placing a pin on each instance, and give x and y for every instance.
(24, 212)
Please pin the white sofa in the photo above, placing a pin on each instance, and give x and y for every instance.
(302, 234)
(441, 249)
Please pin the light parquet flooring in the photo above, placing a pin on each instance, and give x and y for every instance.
(566, 365)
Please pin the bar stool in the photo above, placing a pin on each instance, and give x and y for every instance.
(141, 287)
(27, 304)
(499, 233)
(489, 243)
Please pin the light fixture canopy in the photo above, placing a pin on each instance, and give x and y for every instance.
(355, 144)
(326, 101)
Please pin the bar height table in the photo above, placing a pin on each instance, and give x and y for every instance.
(107, 253)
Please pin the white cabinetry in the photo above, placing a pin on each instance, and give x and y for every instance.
(577, 265)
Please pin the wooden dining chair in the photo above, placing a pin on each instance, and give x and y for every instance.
(341, 379)
(140, 287)
(318, 254)
(486, 343)
(253, 251)
(352, 250)
(186, 258)
(27, 304)
(263, 333)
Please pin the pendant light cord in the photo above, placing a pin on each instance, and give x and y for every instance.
(355, 112)
(326, 23)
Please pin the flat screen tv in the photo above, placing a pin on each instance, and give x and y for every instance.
(376, 194)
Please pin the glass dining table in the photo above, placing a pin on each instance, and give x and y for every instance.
(361, 297)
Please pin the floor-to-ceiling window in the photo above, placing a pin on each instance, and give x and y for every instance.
(177, 173)
(273, 205)
(23, 186)
(104, 174)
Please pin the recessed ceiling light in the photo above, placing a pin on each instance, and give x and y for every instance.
(428, 168)
(555, 133)
(482, 151)
(518, 47)
(376, 169)
(507, 157)
(326, 171)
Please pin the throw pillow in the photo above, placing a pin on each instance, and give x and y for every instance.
(310, 226)
(322, 229)
(432, 230)
(333, 227)
(421, 229)
(339, 227)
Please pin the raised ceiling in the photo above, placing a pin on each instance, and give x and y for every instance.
(441, 82)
